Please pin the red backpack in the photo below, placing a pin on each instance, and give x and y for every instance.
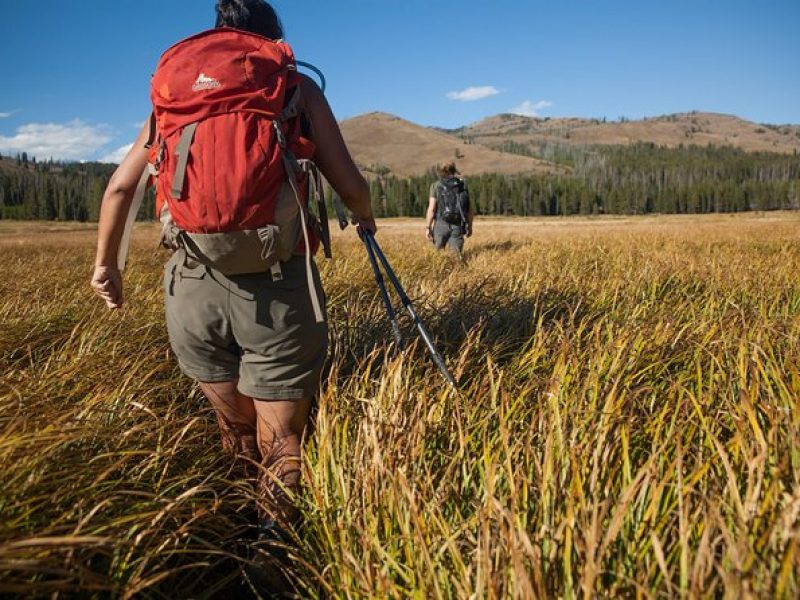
(232, 166)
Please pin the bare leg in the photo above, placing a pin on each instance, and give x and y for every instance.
(280, 427)
(236, 417)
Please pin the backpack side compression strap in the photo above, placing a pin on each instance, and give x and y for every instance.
(182, 152)
(291, 166)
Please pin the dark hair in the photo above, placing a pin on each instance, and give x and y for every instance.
(255, 16)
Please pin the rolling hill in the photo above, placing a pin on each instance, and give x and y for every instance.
(383, 143)
(693, 128)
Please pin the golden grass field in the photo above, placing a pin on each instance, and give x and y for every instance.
(627, 423)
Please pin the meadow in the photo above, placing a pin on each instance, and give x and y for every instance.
(626, 422)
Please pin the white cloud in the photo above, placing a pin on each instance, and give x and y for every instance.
(74, 140)
(530, 109)
(117, 155)
(5, 115)
(471, 94)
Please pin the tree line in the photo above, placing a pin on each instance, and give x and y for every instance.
(636, 179)
(54, 191)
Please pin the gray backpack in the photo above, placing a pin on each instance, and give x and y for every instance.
(452, 200)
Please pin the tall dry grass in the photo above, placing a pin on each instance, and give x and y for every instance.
(627, 423)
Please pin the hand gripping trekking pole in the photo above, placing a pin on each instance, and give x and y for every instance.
(373, 249)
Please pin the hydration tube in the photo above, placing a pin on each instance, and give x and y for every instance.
(319, 74)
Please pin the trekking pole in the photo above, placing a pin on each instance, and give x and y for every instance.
(385, 295)
(343, 222)
(375, 250)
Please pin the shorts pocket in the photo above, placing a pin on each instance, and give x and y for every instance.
(190, 268)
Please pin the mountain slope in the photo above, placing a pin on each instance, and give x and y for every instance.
(695, 128)
(379, 141)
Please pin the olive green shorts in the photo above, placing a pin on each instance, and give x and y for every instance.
(246, 327)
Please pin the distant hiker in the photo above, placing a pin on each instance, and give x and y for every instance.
(236, 128)
(449, 216)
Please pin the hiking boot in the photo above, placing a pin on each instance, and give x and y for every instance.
(265, 573)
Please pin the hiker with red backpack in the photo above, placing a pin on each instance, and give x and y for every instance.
(237, 146)
(449, 216)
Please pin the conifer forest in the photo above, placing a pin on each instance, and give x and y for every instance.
(637, 179)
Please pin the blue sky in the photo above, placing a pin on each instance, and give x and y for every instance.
(76, 72)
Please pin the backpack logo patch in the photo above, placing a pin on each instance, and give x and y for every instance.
(204, 82)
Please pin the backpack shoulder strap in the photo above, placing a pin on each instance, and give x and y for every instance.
(136, 203)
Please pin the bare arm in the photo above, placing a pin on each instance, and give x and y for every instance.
(107, 280)
(430, 216)
(333, 158)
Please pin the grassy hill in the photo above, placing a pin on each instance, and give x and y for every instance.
(694, 128)
(385, 144)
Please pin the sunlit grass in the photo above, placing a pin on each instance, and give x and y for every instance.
(627, 423)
